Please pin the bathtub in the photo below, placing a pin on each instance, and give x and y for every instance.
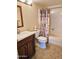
(55, 40)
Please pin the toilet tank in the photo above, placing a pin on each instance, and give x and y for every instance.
(37, 33)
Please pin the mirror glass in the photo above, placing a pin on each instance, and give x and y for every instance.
(19, 17)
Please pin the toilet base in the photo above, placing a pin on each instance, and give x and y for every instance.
(42, 45)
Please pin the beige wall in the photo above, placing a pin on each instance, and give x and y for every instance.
(30, 16)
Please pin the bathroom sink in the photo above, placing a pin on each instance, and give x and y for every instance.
(24, 32)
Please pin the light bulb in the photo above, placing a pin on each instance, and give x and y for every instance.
(29, 1)
(22, 0)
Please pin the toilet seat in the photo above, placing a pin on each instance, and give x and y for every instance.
(41, 38)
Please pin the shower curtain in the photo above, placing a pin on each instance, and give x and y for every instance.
(44, 22)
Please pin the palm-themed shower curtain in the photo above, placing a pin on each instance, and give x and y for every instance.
(44, 22)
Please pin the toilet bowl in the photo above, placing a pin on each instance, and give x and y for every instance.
(42, 40)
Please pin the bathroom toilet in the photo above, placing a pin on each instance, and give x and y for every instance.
(42, 40)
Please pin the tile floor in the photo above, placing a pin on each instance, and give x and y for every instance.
(51, 52)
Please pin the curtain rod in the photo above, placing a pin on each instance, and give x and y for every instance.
(55, 7)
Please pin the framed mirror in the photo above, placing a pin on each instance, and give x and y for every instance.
(19, 17)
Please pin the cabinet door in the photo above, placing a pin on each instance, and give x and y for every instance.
(23, 52)
(31, 48)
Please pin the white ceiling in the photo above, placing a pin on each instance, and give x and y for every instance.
(48, 2)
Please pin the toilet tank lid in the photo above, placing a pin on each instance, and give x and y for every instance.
(42, 38)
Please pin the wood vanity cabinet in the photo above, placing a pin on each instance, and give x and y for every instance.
(26, 47)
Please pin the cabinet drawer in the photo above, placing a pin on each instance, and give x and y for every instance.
(21, 43)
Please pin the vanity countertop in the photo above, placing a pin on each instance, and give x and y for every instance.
(24, 34)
